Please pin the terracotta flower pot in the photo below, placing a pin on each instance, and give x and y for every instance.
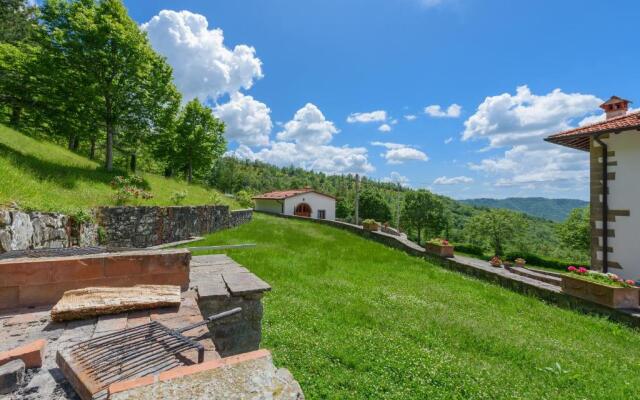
(438, 250)
(609, 296)
(371, 227)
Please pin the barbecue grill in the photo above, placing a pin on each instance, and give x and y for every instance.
(91, 366)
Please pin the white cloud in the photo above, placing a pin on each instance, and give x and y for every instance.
(308, 126)
(399, 153)
(395, 177)
(448, 140)
(247, 120)
(203, 66)
(525, 117)
(384, 128)
(373, 116)
(456, 180)
(520, 122)
(453, 111)
(304, 143)
(410, 117)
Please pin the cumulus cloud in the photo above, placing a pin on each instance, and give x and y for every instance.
(519, 122)
(247, 120)
(453, 111)
(410, 117)
(399, 153)
(304, 142)
(509, 119)
(456, 180)
(203, 65)
(395, 177)
(308, 126)
(373, 116)
(384, 128)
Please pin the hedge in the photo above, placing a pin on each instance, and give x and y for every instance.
(533, 259)
(470, 249)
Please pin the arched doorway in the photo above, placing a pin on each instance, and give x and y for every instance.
(303, 210)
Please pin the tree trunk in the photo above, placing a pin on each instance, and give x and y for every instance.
(132, 162)
(16, 113)
(419, 236)
(109, 156)
(92, 150)
(189, 172)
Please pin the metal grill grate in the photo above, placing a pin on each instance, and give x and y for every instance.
(91, 366)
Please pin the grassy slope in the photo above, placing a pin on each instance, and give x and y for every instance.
(354, 319)
(43, 176)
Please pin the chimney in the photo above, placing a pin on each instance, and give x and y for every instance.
(615, 107)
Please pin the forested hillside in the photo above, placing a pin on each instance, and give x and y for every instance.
(552, 209)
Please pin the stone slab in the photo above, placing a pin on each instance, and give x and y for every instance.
(95, 301)
(242, 283)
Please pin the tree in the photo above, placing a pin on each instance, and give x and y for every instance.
(422, 211)
(373, 206)
(17, 18)
(198, 140)
(575, 231)
(115, 68)
(495, 229)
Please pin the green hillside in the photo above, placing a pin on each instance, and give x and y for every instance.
(353, 319)
(40, 175)
(551, 209)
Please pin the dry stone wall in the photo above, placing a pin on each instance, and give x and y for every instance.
(22, 231)
(151, 226)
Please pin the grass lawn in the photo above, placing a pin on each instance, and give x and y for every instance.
(353, 319)
(42, 176)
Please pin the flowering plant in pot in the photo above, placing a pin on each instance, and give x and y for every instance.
(370, 225)
(606, 289)
(439, 247)
(520, 262)
(495, 261)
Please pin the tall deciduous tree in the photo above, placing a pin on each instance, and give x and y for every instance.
(575, 231)
(496, 229)
(117, 71)
(373, 205)
(198, 139)
(422, 211)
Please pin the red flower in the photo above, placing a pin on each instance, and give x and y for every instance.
(582, 270)
(572, 268)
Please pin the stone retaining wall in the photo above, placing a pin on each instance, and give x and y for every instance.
(21, 231)
(151, 226)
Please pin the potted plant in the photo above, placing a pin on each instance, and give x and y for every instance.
(606, 289)
(495, 261)
(520, 262)
(439, 247)
(370, 225)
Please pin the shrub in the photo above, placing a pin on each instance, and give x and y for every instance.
(178, 197)
(439, 242)
(244, 198)
(369, 221)
(470, 249)
(540, 261)
(128, 188)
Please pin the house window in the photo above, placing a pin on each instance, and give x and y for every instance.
(322, 214)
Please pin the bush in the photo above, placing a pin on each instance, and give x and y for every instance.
(539, 261)
(244, 198)
(178, 197)
(369, 221)
(129, 188)
(470, 249)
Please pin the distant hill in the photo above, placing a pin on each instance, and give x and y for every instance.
(552, 209)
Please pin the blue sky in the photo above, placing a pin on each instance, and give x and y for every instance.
(355, 85)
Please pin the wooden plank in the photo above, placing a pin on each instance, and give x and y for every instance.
(94, 301)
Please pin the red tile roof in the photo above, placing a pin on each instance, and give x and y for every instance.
(285, 194)
(579, 138)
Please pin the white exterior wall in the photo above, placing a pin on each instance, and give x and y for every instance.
(272, 206)
(315, 201)
(624, 194)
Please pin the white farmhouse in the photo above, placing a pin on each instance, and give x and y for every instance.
(301, 202)
(614, 146)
